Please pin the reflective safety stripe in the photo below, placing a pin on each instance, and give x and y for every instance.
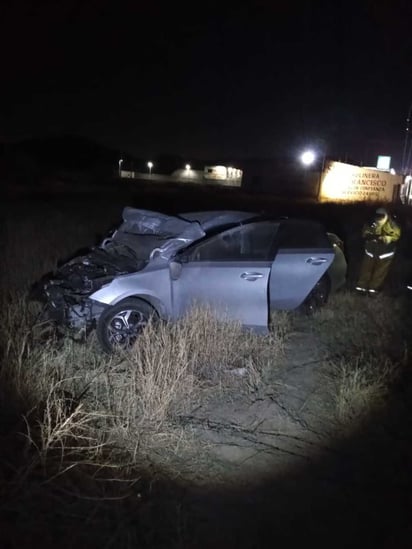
(389, 254)
(409, 287)
(368, 253)
(373, 291)
(360, 289)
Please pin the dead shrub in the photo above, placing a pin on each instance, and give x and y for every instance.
(366, 345)
(362, 386)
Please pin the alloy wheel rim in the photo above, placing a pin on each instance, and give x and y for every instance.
(124, 328)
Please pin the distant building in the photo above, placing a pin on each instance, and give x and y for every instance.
(227, 174)
(220, 175)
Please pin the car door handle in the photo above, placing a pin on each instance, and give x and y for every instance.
(251, 276)
(316, 260)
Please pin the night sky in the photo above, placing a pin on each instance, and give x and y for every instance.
(210, 80)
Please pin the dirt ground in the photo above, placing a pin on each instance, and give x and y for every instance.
(279, 471)
(283, 423)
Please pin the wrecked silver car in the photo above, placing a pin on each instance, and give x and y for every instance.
(240, 264)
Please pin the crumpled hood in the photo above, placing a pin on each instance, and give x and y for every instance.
(170, 232)
(98, 264)
(144, 236)
(85, 274)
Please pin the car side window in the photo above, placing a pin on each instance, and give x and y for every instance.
(254, 241)
(302, 234)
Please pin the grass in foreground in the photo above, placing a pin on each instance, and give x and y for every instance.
(130, 399)
(80, 429)
(366, 341)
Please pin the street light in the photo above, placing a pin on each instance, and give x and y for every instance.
(150, 166)
(120, 167)
(308, 158)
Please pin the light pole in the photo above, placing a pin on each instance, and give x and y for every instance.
(308, 158)
(150, 166)
(406, 159)
(120, 167)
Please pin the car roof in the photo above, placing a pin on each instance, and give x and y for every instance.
(139, 221)
(215, 218)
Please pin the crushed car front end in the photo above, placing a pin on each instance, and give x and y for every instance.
(78, 292)
(66, 293)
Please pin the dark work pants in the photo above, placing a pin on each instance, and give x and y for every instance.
(373, 272)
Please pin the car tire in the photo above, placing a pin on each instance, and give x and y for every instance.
(318, 297)
(119, 326)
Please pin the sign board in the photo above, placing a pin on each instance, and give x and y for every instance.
(383, 163)
(345, 182)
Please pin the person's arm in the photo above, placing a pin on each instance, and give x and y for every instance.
(392, 232)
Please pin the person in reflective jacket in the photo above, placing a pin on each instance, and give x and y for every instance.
(380, 238)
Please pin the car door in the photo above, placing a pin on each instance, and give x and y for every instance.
(304, 253)
(229, 272)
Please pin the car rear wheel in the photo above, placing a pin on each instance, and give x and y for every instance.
(119, 326)
(318, 296)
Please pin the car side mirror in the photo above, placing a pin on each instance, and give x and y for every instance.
(182, 257)
(175, 268)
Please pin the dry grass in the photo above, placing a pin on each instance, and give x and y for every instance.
(172, 368)
(78, 427)
(362, 386)
(351, 325)
(366, 342)
(281, 323)
(134, 398)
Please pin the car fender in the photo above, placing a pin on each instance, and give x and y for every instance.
(153, 301)
(152, 286)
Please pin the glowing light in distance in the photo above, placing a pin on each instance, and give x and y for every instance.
(307, 158)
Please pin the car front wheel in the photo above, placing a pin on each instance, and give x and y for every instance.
(119, 326)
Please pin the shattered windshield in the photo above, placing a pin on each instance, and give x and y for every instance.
(145, 233)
